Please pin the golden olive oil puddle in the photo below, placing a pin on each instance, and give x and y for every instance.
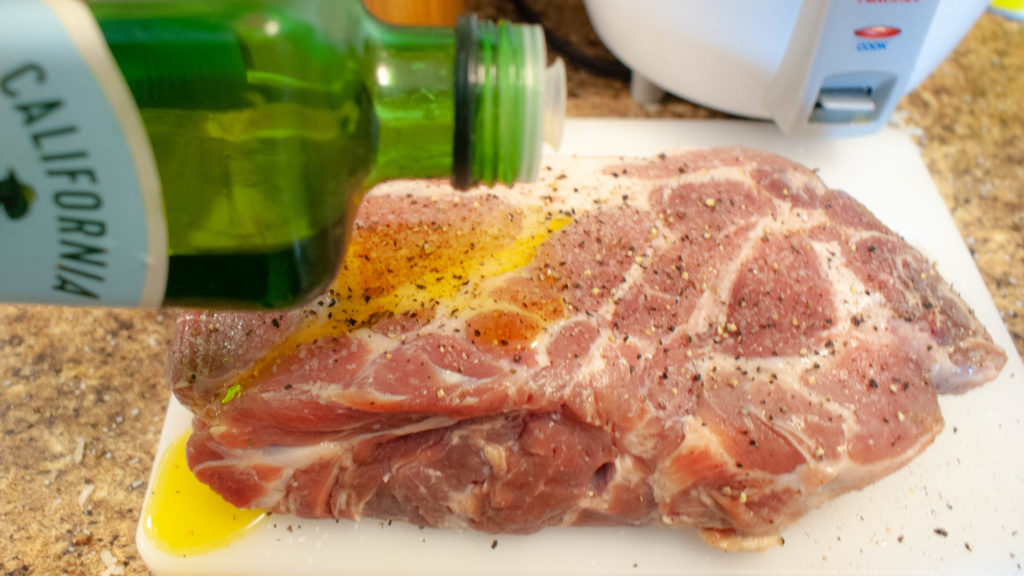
(185, 517)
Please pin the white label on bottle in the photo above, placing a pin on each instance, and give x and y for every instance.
(81, 218)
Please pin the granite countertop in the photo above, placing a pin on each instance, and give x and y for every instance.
(82, 392)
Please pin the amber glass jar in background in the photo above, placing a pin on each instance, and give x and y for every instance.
(417, 12)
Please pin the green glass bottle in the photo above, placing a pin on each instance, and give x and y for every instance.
(269, 119)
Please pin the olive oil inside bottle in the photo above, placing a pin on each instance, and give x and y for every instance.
(261, 133)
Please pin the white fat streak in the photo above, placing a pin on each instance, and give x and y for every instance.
(288, 458)
(655, 246)
(698, 438)
(793, 430)
(291, 459)
(433, 423)
(788, 372)
(540, 344)
(378, 344)
(819, 482)
(451, 377)
(712, 306)
(592, 366)
(666, 484)
(850, 297)
(463, 506)
(645, 437)
(466, 503)
(846, 475)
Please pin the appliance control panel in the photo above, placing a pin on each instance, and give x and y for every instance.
(847, 63)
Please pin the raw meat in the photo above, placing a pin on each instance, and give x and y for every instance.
(712, 338)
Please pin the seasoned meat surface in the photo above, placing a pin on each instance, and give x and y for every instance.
(710, 338)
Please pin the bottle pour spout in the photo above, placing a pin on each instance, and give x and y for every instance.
(544, 103)
(554, 100)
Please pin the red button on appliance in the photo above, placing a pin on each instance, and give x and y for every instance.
(877, 32)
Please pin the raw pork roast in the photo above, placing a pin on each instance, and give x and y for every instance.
(712, 338)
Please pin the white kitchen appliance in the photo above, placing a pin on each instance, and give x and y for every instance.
(815, 67)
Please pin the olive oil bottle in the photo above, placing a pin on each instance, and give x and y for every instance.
(213, 152)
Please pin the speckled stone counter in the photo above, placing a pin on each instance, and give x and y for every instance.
(81, 391)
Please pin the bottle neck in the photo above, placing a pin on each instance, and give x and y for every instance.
(475, 103)
(410, 72)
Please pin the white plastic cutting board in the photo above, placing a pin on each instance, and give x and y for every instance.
(969, 483)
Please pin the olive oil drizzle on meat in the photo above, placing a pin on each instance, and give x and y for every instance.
(416, 271)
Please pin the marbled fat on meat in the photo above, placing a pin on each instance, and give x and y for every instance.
(712, 338)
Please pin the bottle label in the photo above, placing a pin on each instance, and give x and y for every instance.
(81, 217)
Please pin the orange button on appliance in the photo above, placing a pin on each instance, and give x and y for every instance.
(877, 32)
